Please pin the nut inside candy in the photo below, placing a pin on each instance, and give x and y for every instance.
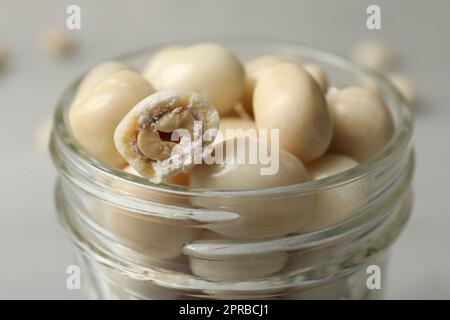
(156, 140)
(150, 144)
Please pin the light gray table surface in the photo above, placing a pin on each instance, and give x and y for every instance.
(34, 251)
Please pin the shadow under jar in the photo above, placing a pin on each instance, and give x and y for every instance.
(138, 240)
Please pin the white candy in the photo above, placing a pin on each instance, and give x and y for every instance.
(373, 54)
(95, 76)
(255, 68)
(138, 136)
(158, 62)
(57, 42)
(261, 217)
(236, 127)
(253, 71)
(318, 74)
(154, 237)
(405, 86)
(335, 204)
(233, 268)
(94, 120)
(287, 98)
(205, 68)
(361, 121)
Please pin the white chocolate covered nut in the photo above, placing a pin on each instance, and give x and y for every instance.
(255, 68)
(57, 42)
(373, 54)
(287, 98)
(156, 237)
(181, 179)
(405, 86)
(158, 61)
(231, 267)
(362, 123)
(336, 204)
(94, 120)
(238, 111)
(401, 82)
(241, 268)
(95, 76)
(144, 137)
(236, 127)
(205, 68)
(261, 217)
(367, 82)
(253, 71)
(318, 74)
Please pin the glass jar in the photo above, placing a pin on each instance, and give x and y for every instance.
(138, 240)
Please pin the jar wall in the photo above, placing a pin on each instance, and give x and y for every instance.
(336, 270)
(102, 282)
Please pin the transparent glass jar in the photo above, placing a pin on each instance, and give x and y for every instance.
(138, 240)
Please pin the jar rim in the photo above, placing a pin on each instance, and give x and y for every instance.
(399, 141)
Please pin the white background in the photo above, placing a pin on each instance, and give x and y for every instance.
(34, 252)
